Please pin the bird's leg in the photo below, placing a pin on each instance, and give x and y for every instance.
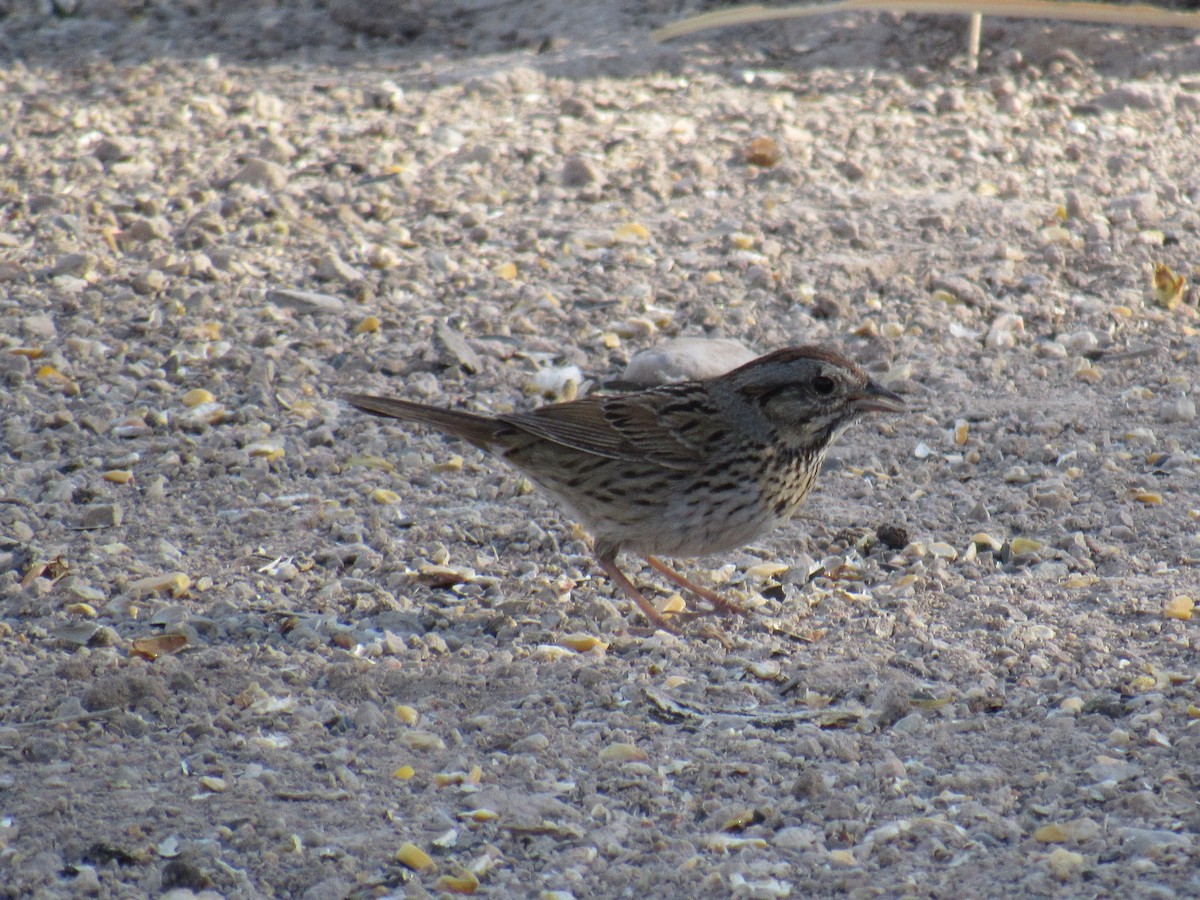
(609, 565)
(719, 603)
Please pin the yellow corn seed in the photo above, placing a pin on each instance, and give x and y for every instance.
(1087, 372)
(480, 815)
(507, 271)
(453, 464)
(267, 450)
(404, 773)
(962, 430)
(631, 233)
(383, 495)
(930, 702)
(369, 325)
(1150, 498)
(466, 883)
(1180, 607)
(414, 857)
(1051, 834)
(620, 752)
(195, 397)
(1023, 545)
(674, 604)
(423, 740)
(174, 583)
(82, 609)
(371, 462)
(727, 843)
(582, 643)
(407, 714)
(1144, 683)
(55, 379)
(1168, 287)
(118, 476)
(303, 410)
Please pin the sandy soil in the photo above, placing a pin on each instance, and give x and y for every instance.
(256, 644)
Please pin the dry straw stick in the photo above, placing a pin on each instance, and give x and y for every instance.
(1097, 13)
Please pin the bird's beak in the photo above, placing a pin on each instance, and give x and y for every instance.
(874, 398)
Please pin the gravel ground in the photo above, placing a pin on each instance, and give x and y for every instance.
(257, 644)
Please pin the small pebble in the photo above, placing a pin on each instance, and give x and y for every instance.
(307, 302)
(101, 515)
(577, 171)
(261, 173)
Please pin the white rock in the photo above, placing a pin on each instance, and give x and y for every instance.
(1182, 409)
(686, 359)
(1003, 332)
(552, 381)
(1079, 342)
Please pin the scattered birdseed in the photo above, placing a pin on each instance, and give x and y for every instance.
(271, 235)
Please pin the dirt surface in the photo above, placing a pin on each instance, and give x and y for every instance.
(254, 643)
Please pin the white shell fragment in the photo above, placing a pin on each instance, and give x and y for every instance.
(557, 381)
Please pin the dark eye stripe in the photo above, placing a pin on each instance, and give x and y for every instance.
(762, 395)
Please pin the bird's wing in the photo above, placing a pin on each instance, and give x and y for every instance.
(650, 426)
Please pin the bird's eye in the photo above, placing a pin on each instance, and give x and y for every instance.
(823, 385)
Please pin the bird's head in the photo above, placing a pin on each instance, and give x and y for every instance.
(810, 395)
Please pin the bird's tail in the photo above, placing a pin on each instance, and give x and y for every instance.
(478, 430)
